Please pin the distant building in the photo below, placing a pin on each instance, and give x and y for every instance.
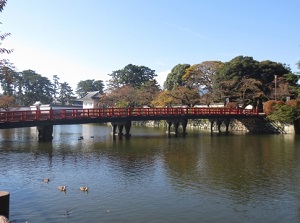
(90, 100)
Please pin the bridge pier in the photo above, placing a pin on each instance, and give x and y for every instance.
(227, 122)
(45, 132)
(120, 126)
(177, 123)
(127, 128)
(219, 123)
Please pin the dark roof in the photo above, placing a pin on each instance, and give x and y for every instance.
(91, 95)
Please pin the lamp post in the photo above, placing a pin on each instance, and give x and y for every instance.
(275, 85)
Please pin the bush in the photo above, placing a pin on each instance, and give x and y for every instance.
(284, 113)
(294, 103)
(269, 106)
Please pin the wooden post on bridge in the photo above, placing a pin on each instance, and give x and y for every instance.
(4, 206)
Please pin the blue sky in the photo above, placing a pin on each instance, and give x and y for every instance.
(80, 40)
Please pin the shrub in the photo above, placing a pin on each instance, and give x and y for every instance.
(284, 113)
(269, 106)
(294, 103)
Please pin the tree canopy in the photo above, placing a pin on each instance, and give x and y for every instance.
(175, 77)
(83, 87)
(236, 78)
(133, 75)
(32, 87)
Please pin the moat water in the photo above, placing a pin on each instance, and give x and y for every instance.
(150, 177)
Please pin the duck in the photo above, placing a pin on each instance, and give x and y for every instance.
(46, 180)
(62, 188)
(80, 138)
(84, 188)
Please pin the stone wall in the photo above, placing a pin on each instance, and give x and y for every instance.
(256, 125)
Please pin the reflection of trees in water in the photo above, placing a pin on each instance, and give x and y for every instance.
(135, 158)
(242, 165)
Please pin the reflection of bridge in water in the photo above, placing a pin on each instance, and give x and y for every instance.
(121, 117)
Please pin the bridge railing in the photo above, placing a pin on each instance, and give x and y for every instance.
(14, 116)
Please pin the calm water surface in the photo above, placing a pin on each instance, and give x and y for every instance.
(150, 177)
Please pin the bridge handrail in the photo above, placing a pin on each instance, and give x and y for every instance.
(29, 115)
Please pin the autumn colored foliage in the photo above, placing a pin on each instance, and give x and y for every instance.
(232, 105)
(294, 103)
(269, 106)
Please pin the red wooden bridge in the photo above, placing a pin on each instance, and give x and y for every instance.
(28, 118)
(119, 117)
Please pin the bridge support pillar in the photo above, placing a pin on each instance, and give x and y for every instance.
(227, 122)
(184, 123)
(219, 123)
(45, 132)
(127, 128)
(169, 124)
(120, 126)
(114, 128)
(177, 123)
(211, 125)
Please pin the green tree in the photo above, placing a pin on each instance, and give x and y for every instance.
(241, 68)
(65, 94)
(268, 71)
(133, 75)
(175, 77)
(202, 76)
(32, 87)
(56, 85)
(238, 68)
(83, 87)
(7, 78)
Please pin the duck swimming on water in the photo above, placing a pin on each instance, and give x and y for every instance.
(62, 188)
(84, 188)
